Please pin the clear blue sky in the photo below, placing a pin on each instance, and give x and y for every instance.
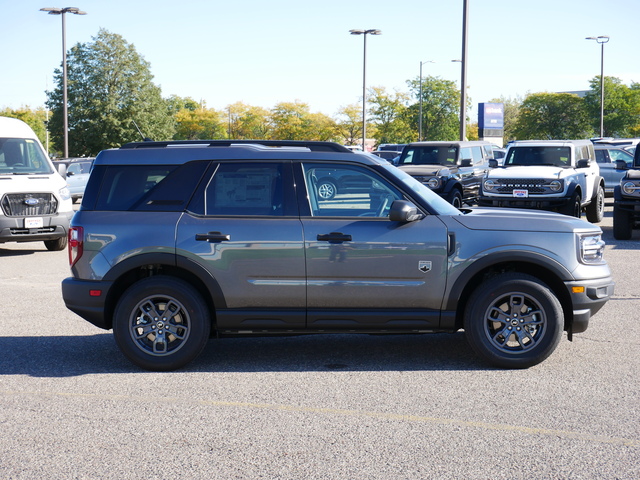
(262, 53)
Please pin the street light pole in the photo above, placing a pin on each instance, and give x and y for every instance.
(420, 114)
(364, 33)
(463, 75)
(602, 39)
(65, 115)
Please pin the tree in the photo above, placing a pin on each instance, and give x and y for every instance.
(547, 116)
(290, 121)
(109, 88)
(36, 119)
(389, 116)
(511, 113)
(199, 124)
(247, 122)
(621, 107)
(349, 124)
(440, 107)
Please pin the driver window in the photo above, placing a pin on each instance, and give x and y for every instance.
(348, 191)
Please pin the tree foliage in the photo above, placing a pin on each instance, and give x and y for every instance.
(389, 116)
(511, 112)
(547, 116)
(621, 107)
(109, 88)
(349, 124)
(440, 108)
(36, 119)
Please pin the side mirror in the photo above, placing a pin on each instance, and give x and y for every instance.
(404, 211)
(465, 162)
(621, 165)
(62, 170)
(493, 163)
(584, 163)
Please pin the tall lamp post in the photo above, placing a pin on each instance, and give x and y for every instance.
(602, 39)
(420, 114)
(463, 74)
(61, 12)
(364, 33)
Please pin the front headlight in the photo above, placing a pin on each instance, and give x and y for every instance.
(630, 188)
(591, 248)
(64, 193)
(555, 186)
(433, 183)
(489, 185)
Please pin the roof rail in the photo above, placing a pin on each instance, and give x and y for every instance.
(311, 145)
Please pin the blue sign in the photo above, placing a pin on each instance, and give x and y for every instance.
(490, 116)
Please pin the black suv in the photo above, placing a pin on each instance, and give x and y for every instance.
(626, 207)
(178, 242)
(454, 170)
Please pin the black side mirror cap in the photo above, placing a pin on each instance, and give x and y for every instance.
(404, 211)
(621, 165)
(584, 163)
(493, 163)
(465, 162)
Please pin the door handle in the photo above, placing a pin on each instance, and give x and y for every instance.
(334, 237)
(212, 237)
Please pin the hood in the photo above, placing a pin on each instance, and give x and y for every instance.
(426, 170)
(515, 219)
(34, 183)
(531, 171)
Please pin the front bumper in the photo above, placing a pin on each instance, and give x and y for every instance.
(587, 297)
(530, 202)
(13, 229)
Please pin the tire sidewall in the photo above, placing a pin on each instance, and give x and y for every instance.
(199, 329)
(487, 294)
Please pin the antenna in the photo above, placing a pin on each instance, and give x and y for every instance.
(144, 139)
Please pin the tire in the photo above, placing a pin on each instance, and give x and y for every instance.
(455, 198)
(513, 320)
(622, 223)
(156, 342)
(327, 190)
(573, 208)
(57, 244)
(595, 210)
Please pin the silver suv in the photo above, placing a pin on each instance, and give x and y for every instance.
(174, 244)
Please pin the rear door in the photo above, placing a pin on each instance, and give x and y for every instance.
(243, 228)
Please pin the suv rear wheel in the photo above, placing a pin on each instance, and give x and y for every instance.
(161, 323)
(513, 321)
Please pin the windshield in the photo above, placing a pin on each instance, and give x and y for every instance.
(435, 201)
(436, 155)
(556, 156)
(22, 156)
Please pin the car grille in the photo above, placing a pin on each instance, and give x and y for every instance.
(533, 185)
(29, 204)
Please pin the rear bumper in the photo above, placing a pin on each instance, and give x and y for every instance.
(80, 296)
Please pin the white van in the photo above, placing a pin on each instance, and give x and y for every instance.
(35, 203)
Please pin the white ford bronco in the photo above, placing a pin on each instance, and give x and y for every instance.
(560, 175)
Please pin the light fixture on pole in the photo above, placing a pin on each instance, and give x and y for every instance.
(61, 12)
(364, 33)
(420, 114)
(602, 39)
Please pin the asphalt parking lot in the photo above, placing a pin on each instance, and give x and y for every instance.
(322, 407)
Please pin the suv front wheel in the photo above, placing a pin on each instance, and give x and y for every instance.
(513, 321)
(161, 323)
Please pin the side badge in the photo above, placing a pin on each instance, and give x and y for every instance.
(424, 266)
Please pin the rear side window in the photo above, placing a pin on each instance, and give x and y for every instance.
(123, 186)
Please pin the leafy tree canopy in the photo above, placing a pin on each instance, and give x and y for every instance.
(109, 88)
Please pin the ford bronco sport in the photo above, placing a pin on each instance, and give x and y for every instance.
(626, 206)
(175, 243)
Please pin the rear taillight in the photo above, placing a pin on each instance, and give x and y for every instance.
(76, 236)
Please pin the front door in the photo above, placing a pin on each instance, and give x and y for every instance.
(364, 271)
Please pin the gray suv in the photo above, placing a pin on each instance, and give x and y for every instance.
(174, 244)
